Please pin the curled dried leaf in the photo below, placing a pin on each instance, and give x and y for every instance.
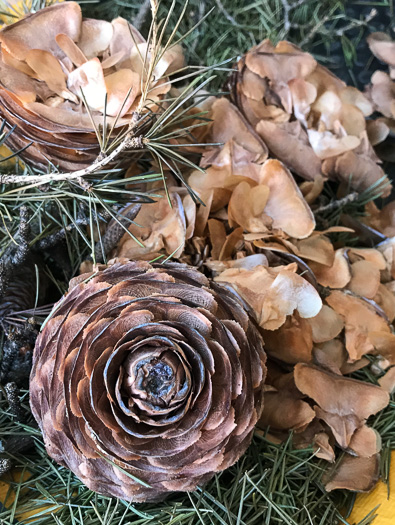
(360, 318)
(354, 473)
(273, 293)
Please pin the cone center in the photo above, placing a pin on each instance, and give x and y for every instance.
(159, 379)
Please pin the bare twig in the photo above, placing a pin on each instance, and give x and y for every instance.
(287, 8)
(227, 15)
(129, 142)
(142, 14)
(334, 205)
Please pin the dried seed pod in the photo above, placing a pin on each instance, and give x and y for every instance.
(147, 380)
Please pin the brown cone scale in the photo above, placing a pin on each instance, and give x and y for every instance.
(147, 380)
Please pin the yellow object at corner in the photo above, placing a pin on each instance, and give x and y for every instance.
(364, 503)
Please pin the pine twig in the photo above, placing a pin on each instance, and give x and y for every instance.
(287, 8)
(129, 142)
(334, 205)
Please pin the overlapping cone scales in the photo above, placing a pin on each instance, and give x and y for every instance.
(146, 380)
(53, 63)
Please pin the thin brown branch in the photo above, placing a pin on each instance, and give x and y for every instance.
(129, 142)
(334, 205)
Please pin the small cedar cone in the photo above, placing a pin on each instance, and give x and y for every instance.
(148, 372)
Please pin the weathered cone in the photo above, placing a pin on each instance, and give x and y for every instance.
(147, 380)
(54, 63)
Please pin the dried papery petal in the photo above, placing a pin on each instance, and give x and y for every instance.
(312, 189)
(363, 167)
(365, 442)
(365, 279)
(343, 403)
(122, 88)
(71, 50)
(281, 63)
(336, 276)
(217, 234)
(303, 95)
(124, 39)
(273, 293)
(289, 143)
(340, 395)
(382, 220)
(325, 144)
(354, 473)
(326, 325)
(317, 248)
(292, 342)
(387, 381)
(382, 93)
(95, 37)
(383, 344)
(282, 411)
(330, 355)
(89, 79)
(38, 30)
(385, 299)
(159, 227)
(383, 47)
(48, 70)
(360, 319)
(323, 447)
(246, 207)
(377, 131)
(228, 123)
(285, 203)
(367, 254)
(352, 96)
(342, 427)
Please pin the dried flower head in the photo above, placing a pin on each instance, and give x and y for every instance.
(308, 118)
(60, 71)
(147, 380)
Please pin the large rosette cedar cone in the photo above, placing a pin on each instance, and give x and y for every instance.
(59, 72)
(147, 380)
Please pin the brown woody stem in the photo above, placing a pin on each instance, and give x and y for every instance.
(129, 142)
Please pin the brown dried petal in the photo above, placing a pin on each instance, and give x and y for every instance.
(360, 318)
(38, 30)
(285, 203)
(354, 473)
(339, 395)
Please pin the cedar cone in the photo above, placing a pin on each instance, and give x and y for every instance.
(54, 63)
(148, 372)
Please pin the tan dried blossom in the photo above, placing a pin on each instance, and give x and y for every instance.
(161, 227)
(52, 62)
(309, 118)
